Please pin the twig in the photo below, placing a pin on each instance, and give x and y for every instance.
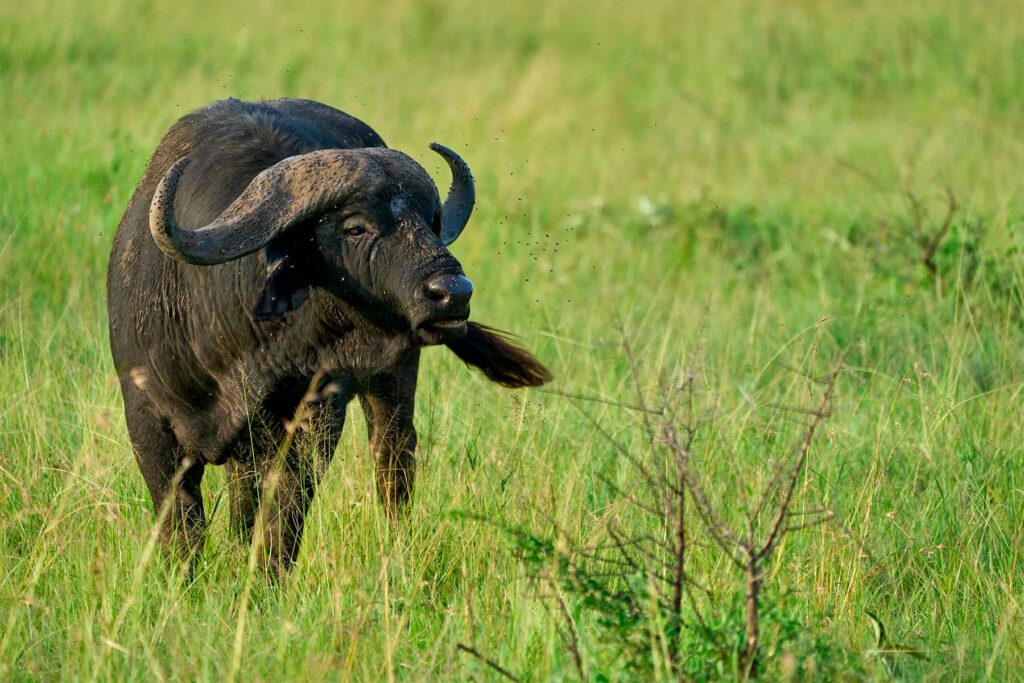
(630, 497)
(929, 247)
(807, 525)
(723, 536)
(624, 452)
(574, 636)
(597, 399)
(489, 662)
(864, 175)
(820, 415)
(645, 411)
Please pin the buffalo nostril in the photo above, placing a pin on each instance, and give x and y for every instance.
(436, 291)
(450, 290)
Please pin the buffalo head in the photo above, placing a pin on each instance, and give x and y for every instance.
(366, 225)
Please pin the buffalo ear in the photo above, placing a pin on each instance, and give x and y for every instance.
(290, 267)
(436, 224)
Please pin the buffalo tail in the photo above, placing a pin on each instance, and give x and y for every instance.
(501, 361)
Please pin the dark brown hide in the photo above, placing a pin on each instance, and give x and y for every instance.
(294, 287)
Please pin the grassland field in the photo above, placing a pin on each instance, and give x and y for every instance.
(750, 189)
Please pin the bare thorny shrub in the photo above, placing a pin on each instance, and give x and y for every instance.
(956, 248)
(636, 583)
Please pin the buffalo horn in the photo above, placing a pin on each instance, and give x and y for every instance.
(459, 204)
(280, 197)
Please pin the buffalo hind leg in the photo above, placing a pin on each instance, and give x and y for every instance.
(388, 403)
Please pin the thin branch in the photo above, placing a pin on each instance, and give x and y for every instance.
(710, 634)
(725, 539)
(928, 255)
(595, 399)
(807, 525)
(639, 543)
(624, 452)
(631, 497)
(489, 662)
(796, 410)
(915, 207)
(821, 414)
(574, 636)
(635, 375)
(864, 175)
(815, 511)
(861, 546)
(679, 578)
(620, 544)
(817, 379)
(595, 557)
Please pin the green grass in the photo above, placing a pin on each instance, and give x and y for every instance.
(740, 169)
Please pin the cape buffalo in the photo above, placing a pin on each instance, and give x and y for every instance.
(275, 261)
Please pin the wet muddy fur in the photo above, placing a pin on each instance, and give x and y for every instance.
(271, 250)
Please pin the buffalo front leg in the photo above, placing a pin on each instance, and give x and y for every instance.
(389, 401)
(173, 478)
(289, 481)
(175, 488)
(244, 492)
(249, 458)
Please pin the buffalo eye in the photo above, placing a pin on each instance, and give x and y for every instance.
(355, 231)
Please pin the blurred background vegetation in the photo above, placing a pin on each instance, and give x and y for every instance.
(755, 186)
